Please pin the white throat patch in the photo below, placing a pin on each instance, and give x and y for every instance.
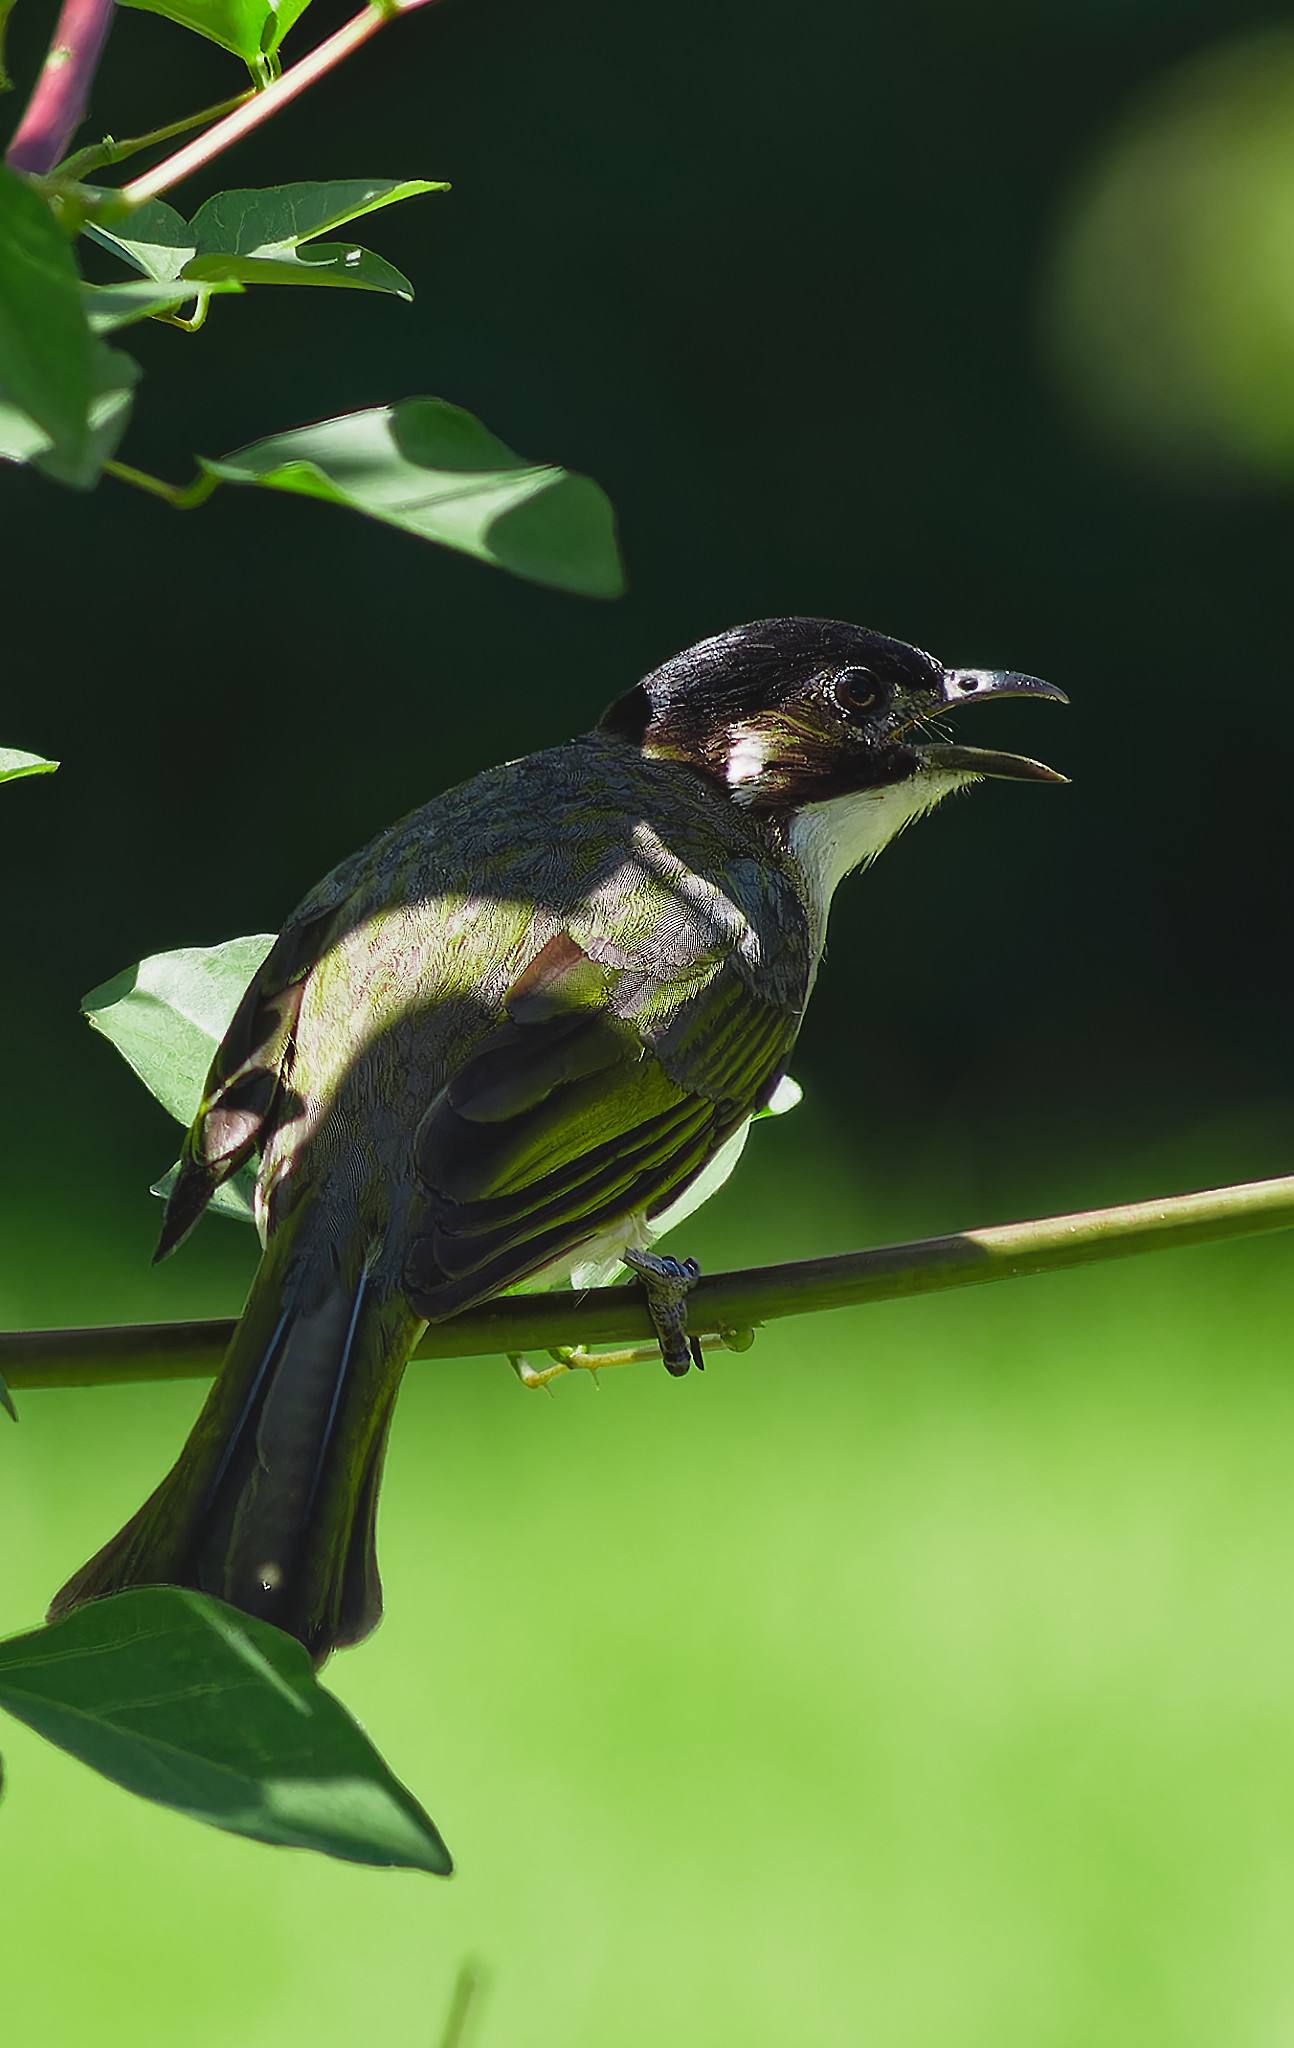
(830, 839)
(746, 756)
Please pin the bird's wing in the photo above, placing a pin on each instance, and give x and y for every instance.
(601, 1097)
(650, 1023)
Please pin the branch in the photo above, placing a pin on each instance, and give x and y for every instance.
(53, 113)
(275, 96)
(724, 1302)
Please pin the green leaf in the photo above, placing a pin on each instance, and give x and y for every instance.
(154, 239)
(190, 1703)
(113, 377)
(247, 28)
(326, 263)
(109, 306)
(435, 471)
(45, 344)
(234, 1198)
(788, 1094)
(272, 220)
(167, 1015)
(6, 1399)
(14, 763)
(256, 237)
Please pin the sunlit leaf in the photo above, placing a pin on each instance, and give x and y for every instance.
(788, 1094)
(46, 350)
(21, 440)
(246, 28)
(435, 471)
(322, 263)
(167, 1015)
(15, 763)
(256, 237)
(271, 220)
(154, 239)
(190, 1703)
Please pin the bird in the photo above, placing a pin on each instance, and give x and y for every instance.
(499, 1044)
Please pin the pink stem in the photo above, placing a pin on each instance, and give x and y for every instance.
(57, 104)
(284, 88)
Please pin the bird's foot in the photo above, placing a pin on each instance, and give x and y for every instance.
(526, 1373)
(578, 1358)
(667, 1283)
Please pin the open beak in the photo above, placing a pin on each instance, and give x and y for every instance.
(965, 686)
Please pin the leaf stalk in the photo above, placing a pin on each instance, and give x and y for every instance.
(182, 497)
(99, 154)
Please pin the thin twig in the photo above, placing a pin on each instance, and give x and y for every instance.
(110, 151)
(726, 1302)
(275, 96)
(58, 100)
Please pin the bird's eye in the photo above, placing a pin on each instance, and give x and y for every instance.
(856, 690)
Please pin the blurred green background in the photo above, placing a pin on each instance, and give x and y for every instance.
(923, 1676)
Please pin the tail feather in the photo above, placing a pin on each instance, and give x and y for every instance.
(272, 1503)
(360, 1606)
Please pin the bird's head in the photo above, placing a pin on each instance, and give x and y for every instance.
(828, 730)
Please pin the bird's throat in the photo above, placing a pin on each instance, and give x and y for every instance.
(828, 840)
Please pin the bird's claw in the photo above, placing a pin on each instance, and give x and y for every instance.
(667, 1283)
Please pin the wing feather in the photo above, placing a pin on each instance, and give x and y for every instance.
(573, 1116)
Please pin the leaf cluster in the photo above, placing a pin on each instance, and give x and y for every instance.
(420, 464)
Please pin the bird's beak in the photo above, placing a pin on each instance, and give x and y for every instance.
(969, 685)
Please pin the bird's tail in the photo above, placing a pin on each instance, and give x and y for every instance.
(272, 1503)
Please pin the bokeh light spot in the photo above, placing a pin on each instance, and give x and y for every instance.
(1170, 308)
